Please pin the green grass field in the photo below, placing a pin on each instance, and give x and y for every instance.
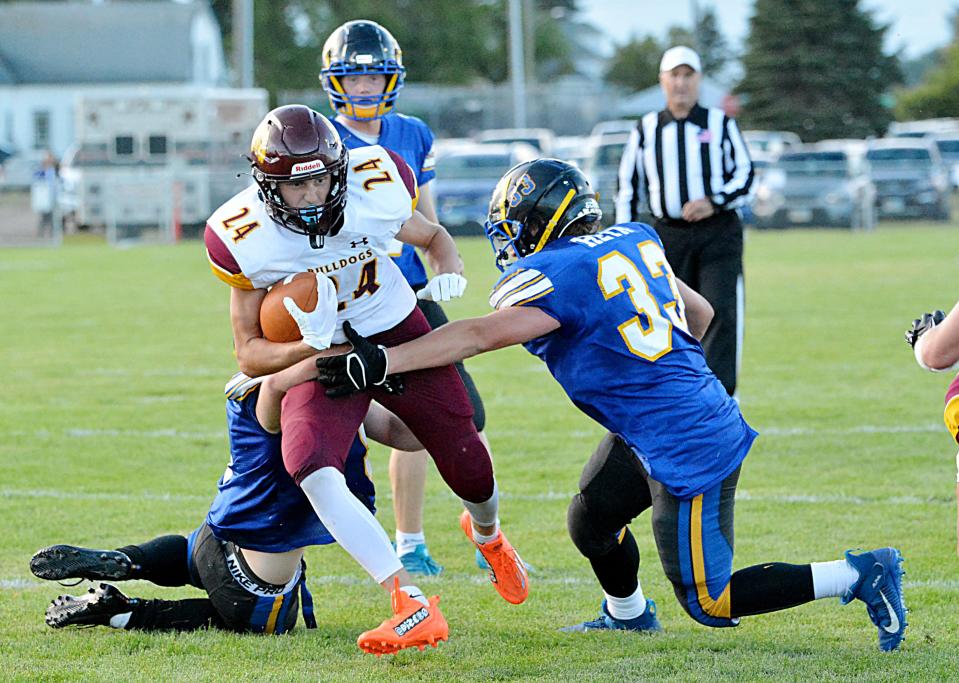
(113, 432)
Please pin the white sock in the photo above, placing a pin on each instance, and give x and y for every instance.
(629, 607)
(483, 538)
(350, 522)
(416, 594)
(407, 542)
(832, 579)
(120, 620)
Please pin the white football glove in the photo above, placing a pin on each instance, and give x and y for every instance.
(318, 325)
(443, 287)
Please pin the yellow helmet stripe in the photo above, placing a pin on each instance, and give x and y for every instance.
(391, 84)
(555, 219)
(336, 85)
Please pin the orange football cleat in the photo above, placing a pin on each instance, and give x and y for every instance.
(413, 625)
(507, 569)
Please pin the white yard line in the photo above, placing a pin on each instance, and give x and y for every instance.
(546, 496)
(84, 495)
(175, 433)
(478, 577)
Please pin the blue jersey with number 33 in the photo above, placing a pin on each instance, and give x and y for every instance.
(625, 356)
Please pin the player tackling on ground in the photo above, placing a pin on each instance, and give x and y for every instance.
(621, 335)
(247, 554)
(316, 207)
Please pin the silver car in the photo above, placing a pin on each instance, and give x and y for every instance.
(816, 185)
(602, 169)
(948, 145)
(466, 175)
(910, 178)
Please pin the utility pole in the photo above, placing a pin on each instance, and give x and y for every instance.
(243, 42)
(517, 69)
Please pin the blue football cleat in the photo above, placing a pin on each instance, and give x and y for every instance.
(646, 621)
(880, 587)
(420, 562)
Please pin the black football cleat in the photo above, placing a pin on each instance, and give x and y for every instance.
(60, 562)
(93, 608)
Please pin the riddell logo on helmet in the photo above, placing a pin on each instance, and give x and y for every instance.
(307, 167)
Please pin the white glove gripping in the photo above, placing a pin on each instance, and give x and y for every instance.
(318, 325)
(443, 287)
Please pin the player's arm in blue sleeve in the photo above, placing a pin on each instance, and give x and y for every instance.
(515, 321)
(461, 339)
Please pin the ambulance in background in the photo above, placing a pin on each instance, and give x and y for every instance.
(157, 162)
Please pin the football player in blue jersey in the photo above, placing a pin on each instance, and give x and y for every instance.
(363, 73)
(248, 553)
(620, 333)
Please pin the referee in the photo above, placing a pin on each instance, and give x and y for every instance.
(688, 166)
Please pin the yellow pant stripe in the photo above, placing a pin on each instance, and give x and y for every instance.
(714, 608)
(271, 622)
(951, 417)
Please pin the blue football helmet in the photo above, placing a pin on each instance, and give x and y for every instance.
(357, 48)
(536, 202)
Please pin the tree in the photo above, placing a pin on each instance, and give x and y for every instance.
(938, 94)
(710, 43)
(635, 65)
(817, 68)
(446, 41)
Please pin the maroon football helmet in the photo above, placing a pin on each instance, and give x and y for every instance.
(292, 143)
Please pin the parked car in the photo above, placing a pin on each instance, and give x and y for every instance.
(816, 185)
(910, 178)
(948, 146)
(540, 138)
(769, 144)
(760, 165)
(602, 169)
(573, 149)
(923, 128)
(466, 176)
(614, 127)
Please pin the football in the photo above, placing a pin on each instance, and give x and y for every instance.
(275, 320)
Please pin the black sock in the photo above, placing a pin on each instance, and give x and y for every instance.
(616, 570)
(769, 587)
(163, 560)
(173, 615)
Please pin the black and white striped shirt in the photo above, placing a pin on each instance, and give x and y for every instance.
(668, 162)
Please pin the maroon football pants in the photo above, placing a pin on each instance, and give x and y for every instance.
(318, 430)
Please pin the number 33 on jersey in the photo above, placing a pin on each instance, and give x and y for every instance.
(623, 352)
(626, 268)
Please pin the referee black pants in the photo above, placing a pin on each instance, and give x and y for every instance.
(708, 256)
